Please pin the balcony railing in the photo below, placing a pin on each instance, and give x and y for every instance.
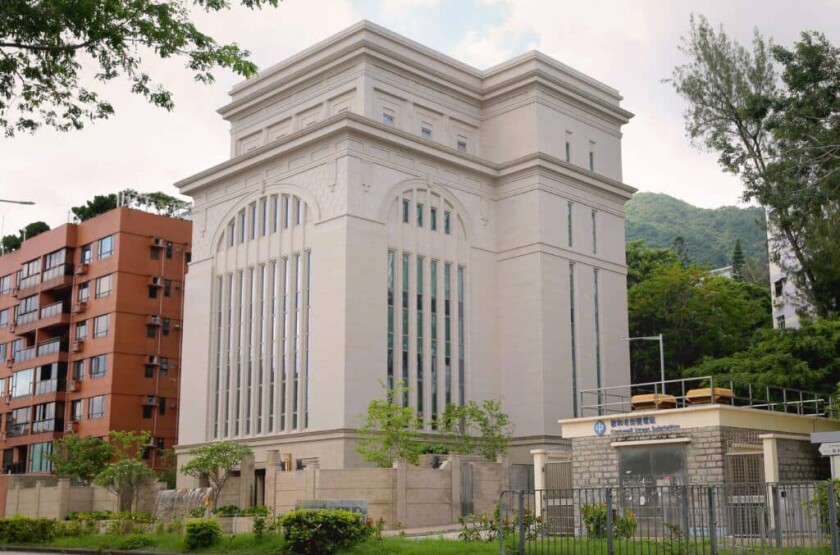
(24, 354)
(17, 430)
(26, 318)
(14, 468)
(30, 281)
(51, 425)
(54, 309)
(47, 386)
(49, 347)
(59, 271)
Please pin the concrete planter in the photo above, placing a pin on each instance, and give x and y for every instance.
(236, 524)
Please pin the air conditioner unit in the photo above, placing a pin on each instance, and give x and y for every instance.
(79, 307)
(150, 400)
(75, 385)
(72, 427)
(81, 269)
(157, 242)
(77, 346)
(156, 281)
(154, 320)
(14, 291)
(154, 359)
(176, 326)
(10, 362)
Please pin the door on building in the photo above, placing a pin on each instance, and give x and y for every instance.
(559, 498)
(258, 497)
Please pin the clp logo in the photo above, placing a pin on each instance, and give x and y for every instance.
(600, 427)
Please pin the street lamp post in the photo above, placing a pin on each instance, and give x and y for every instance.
(661, 353)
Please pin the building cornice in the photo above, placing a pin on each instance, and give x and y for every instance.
(358, 126)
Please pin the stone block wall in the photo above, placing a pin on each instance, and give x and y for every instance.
(56, 501)
(800, 461)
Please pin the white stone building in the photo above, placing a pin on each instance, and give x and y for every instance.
(389, 213)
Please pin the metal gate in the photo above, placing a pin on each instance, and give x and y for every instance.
(559, 505)
(467, 505)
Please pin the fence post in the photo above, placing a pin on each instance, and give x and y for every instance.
(777, 515)
(502, 516)
(684, 510)
(832, 516)
(521, 522)
(713, 522)
(610, 539)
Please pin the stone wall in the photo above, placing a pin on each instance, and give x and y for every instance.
(800, 461)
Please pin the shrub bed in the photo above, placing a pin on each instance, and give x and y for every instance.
(323, 531)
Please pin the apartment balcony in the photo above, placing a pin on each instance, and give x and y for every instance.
(25, 323)
(14, 468)
(53, 350)
(27, 286)
(17, 430)
(55, 314)
(60, 277)
(53, 425)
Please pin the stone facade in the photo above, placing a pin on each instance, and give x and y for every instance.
(390, 214)
(800, 461)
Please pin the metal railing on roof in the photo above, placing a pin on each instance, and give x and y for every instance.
(706, 390)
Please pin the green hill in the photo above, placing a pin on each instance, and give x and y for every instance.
(709, 234)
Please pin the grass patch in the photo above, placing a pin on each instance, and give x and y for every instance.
(174, 543)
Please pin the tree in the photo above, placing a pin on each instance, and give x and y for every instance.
(807, 358)
(10, 243)
(494, 427)
(127, 473)
(33, 229)
(643, 261)
(99, 204)
(80, 458)
(738, 262)
(681, 251)
(390, 431)
(698, 315)
(43, 45)
(214, 463)
(784, 142)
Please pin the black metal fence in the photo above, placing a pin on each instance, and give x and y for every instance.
(789, 518)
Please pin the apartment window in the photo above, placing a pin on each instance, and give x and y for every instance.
(84, 293)
(81, 331)
(100, 326)
(98, 366)
(420, 214)
(779, 287)
(462, 143)
(164, 366)
(153, 291)
(154, 253)
(148, 411)
(594, 232)
(55, 259)
(433, 218)
(388, 116)
(96, 407)
(76, 411)
(780, 322)
(148, 371)
(86, 254)
(167, 287)
(5, 284)
(22, 383)
(406, 210)
(105, 246)
(103, 286)
(78, 370)
(426, 131)
(162, 406)
(39, 457)
(169, 248)
(165, 326)
(569, 209)
(591, 156)
(2, 358)
(4, 318)
(231, 232)
(447, 222)
(151, 331)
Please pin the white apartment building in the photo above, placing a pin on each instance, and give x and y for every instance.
(391, 214)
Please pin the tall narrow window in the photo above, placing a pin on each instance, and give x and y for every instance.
(419, 214)
(308, 255)
(592, 156)
(240, 302)
(405, 306)
(260, 298)
(391, 277)
(573, 334)
(287, 212)
(252, 216)
(462, 143)
(594, 232)
(272, 340)
(241, 224)
(419, 293)
(461, 339)
(447, 334)
(219, 308)
(275, 213)
(433, 218)
(285, 327)
(598, 379)
(406, 210)
(251, 292)
(569, 222)
(231, 231)
(297, 268)
(447, 223)
(264, 217)
(433, 278)
(568, 146)
(300, 207)
(229, 345)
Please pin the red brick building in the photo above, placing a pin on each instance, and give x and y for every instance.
(90, 334)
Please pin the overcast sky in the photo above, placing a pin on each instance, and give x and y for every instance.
(629, 45)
